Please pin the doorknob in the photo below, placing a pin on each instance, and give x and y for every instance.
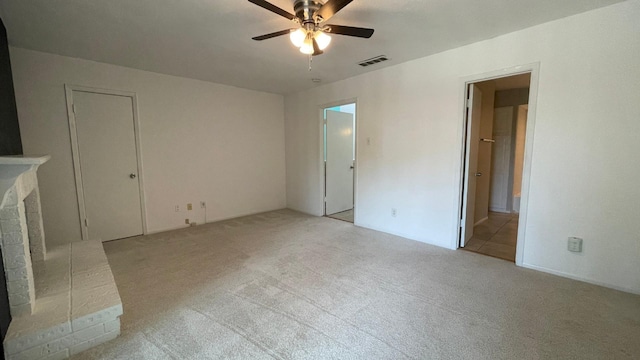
(478, 174)
(133, 176)
(351, 167)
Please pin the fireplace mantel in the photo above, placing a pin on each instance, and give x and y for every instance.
(11, 167)
(24, 159)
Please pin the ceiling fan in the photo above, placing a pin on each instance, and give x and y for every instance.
(311, 35)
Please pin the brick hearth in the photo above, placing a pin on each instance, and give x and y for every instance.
(63, 300)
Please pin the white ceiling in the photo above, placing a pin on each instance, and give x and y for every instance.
(211, 39)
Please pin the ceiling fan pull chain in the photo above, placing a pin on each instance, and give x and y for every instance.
(310, 59)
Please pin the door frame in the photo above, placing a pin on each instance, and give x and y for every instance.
(471, 97)
(322, 167)
(75, 151)
(534, 70)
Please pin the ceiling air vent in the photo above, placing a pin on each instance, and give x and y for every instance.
(374, 60)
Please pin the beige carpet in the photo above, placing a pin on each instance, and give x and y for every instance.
(283, 285)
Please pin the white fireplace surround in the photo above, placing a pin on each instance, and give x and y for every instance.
(62, 300)
(22, 231)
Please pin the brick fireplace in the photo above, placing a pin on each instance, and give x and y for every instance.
(22, 233)
(62, 300)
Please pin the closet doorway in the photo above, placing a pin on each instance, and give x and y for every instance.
(495, 131)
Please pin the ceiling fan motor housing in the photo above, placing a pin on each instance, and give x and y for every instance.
(305, 9)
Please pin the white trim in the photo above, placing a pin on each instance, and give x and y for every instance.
(355, 162)
(579, 278)
(401, 234)
(481, 221)
(534, 69)
(468, 115)
(224, 218)
(75, 151)
(499, 210)
(321, 163)
(76, 161)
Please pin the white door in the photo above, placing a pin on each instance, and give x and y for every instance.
(108, 165)
(501, 159)
(339, 165)
(474, 115)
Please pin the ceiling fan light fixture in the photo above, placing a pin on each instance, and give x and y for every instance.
(297, 37)
(312, 35)
(307, 46)
(322, 39)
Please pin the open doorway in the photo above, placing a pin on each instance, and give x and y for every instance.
(339, 124)
(495, 136)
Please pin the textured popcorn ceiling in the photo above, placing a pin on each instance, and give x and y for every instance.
(211, 40)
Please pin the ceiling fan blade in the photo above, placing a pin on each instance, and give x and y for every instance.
(269, 6)
(350, 31)
(316, 49)
(272, 35)
(330, 8)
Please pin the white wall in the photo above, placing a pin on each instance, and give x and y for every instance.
(199, 140)
(585, 164)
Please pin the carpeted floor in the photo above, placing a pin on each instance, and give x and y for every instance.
(285, 285)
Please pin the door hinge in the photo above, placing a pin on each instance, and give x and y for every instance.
(86, 222)
(468, 103)
(73, 108)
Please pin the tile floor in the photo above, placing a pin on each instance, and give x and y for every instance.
(344, 216)
(496, 236)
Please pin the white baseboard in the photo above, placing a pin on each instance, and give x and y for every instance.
(403, 235)
(209, 221)
(500, 210)
(481, 221)
(157, 231)
(579, 278)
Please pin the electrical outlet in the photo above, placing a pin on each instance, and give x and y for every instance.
(186, 221)
(394, 212)
(189, 206)
(203, 204)
(177, 208)
(574, 244)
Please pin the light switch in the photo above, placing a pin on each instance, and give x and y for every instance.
(575, 244)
